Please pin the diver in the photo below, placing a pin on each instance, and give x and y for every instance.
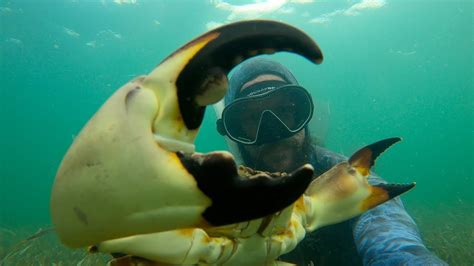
(265, 119)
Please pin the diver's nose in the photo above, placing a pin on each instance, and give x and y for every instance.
(271, 128)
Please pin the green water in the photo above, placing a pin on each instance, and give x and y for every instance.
(402, 69)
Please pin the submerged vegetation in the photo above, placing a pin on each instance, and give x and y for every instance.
(22, 246)
(448, 234)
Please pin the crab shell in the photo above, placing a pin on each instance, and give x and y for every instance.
(133, 170)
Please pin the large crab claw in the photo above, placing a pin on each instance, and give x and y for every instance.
(343, 192)
(131, 170)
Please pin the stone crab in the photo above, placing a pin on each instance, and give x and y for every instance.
(131, 184)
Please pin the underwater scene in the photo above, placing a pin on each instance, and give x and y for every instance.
(391, 69)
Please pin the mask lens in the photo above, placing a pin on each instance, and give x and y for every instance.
(291, 106)
(294, 108)
(241, 121)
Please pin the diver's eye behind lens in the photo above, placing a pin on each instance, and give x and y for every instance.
(297, 109)
(241, 121)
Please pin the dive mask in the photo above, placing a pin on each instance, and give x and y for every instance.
(276, 113)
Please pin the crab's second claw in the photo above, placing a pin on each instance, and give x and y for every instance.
(261, 193)
(343, 192)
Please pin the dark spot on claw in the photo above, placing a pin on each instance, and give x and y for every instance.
(352, 171)
(92, 164)
(81, 215)
(131, 94)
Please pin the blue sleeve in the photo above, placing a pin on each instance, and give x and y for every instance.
(387, 235)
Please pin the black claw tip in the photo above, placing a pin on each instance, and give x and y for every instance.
(253, 194)
(365, 158)
(394, 190)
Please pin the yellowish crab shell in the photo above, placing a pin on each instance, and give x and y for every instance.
(133, 170)
(108, 181)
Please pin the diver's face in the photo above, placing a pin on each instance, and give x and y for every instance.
(281, 156)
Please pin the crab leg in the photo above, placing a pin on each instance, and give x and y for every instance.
(179, 247)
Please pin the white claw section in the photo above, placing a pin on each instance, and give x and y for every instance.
(174, 145)
(178, 247)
